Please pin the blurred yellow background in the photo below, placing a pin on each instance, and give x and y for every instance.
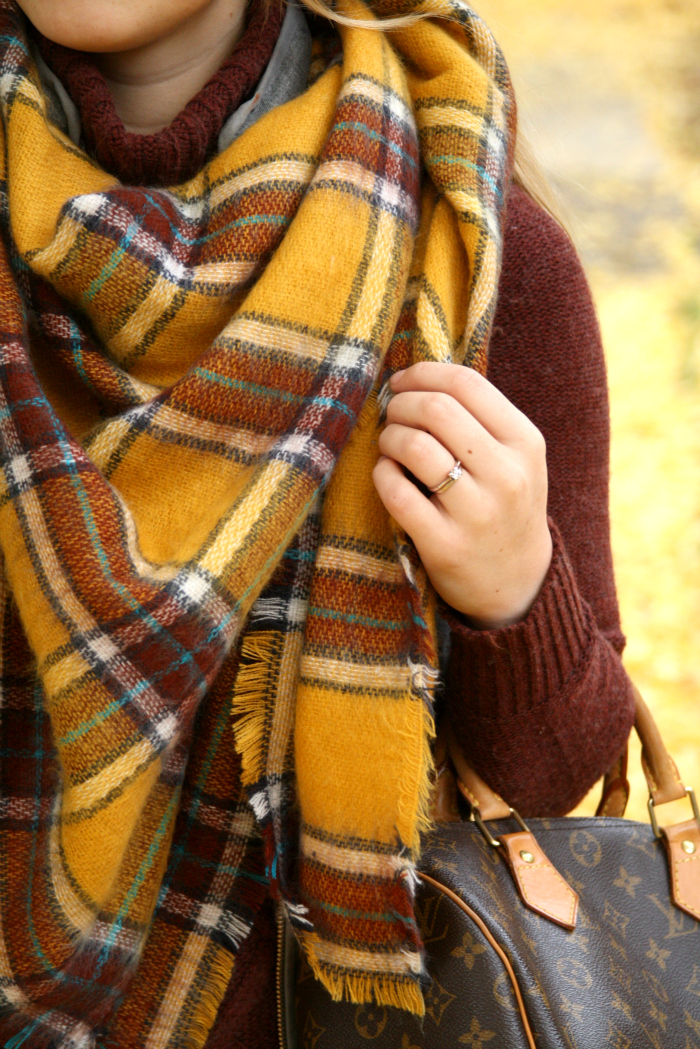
(609, 95)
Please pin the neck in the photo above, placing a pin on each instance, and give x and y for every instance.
(151, 84)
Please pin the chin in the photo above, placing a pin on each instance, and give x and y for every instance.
(108, 25)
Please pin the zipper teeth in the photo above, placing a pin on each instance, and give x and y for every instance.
(280, 962)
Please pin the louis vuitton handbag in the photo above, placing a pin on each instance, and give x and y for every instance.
(574, 933)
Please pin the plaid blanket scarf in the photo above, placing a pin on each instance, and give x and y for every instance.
(218, 652)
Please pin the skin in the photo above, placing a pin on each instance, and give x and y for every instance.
(485, 542)
(155, 54)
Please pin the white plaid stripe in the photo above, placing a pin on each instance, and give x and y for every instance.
(351, 175)
(393, 677)
(172, 422)
(264, 336)
(378, 95)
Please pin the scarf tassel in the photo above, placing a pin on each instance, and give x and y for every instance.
(252, 699)
(361, 988)
(219, 971)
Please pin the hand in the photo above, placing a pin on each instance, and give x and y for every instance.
(484, 542)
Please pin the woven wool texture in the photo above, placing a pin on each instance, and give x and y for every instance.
(191, 398)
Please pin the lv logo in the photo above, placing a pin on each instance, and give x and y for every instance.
(427, 913)
(679, 924)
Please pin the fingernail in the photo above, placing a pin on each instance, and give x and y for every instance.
(396, 376)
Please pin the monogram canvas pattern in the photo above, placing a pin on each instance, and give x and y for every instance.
(628, 977)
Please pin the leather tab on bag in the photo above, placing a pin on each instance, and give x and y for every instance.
(683, 848)
(540, 885)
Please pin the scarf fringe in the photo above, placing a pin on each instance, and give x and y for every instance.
(415, 803)
(410, 806)
(424, 813)
(364, 988)
(251, 701)
(219, 972)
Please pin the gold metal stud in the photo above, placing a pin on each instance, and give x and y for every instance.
(529, 858)
(687, 845)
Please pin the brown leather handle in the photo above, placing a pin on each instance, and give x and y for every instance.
(473, 787)
(659, 768)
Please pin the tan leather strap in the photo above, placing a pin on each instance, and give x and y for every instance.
(659, 767)
(546, 892)
(496, 946)
(444, 802)
(540, 886)
(445, 806)
(616, 789)
(472, 786)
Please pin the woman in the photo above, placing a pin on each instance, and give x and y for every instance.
(205, 511)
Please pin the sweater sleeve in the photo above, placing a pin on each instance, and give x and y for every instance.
(544, 707)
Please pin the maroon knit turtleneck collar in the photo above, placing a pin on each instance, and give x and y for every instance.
(178, 152)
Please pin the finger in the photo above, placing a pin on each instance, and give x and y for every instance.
(427, 459)
(407, 505)
(442, 416)
(483, 401)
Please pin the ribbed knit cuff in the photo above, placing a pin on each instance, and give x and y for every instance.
(505, 672)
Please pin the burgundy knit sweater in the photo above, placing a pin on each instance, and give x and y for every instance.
(541, 708)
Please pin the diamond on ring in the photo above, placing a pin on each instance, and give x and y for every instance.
(454, 475)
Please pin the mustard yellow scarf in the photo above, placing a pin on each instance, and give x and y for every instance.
(218, 650)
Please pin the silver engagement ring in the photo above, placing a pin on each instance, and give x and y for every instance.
(454, 475)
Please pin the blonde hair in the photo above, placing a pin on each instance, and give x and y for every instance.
(320, 7)
(530, 176)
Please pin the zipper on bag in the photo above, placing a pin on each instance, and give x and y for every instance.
(279, 979)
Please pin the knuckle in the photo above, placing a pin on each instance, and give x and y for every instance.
(441, 557)
(514, 482)
(423, 369)
(451, 555)
(536, 443)
(391, 433)
(482, 514)
(438, 406)
(381, 475)
(397, 500)
(395, 407)
(416, 445)
(466, 381)
(392, 490)
(384, 443)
